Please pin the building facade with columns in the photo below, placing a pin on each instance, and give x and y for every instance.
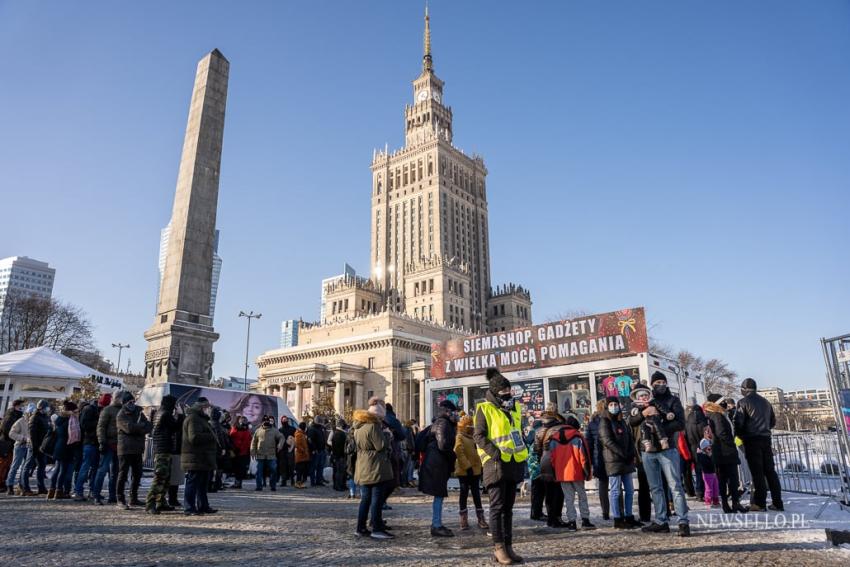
(429, 273)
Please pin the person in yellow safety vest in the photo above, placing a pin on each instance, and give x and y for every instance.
(498, 435)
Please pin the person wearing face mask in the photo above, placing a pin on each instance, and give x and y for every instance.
(618, 455)
(132, 427)
(498, 435)
(438, 463)
(662, 466)
(198, 457)
(240, 437)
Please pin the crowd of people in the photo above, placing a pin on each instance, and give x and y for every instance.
(673, 453)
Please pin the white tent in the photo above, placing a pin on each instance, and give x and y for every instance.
(42, 372)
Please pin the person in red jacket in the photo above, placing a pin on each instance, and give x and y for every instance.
(241, 437)
(571, 461)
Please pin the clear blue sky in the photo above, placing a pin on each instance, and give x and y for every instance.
(689, 156)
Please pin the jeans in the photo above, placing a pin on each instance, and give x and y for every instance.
(127, 463)
(763, 470)
(614, 487)
(352, 487)
(662, 469)
(502, 497)
(195, 493)
(262, 465)
(63, 470)
(108, 464)
(90, 457)
(437, 512)
(371, 497)
(18, 459)
(317, 468)
(36, 460)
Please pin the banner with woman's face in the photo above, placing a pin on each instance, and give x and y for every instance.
(250, 405)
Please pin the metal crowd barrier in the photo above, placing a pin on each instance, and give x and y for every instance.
(812, 463)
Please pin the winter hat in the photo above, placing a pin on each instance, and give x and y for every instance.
(378, 410)
(749, 385)
(104, 400)
(68, 405)
(42, 404)
(302, 426)
(30, 409)
(704, 444)
(571, 421)
(638, 388)
(202, 402)
(497, 381)
(714, 398)
(127, 397)
(656, 376)
(449, 405)
(612, 400)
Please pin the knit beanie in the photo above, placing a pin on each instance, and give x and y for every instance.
(705, 443)
(104, 400)
(497, 381)
(612, 400)
(749, 385)
(656, 376)
(636, 389)
(714, 398)
(127, 397)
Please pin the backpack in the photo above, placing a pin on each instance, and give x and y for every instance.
(421, 442)
(350, 452)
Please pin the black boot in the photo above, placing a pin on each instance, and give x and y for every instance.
(724, 503)
(738, 507)
(172, 497)
(632, 523)
(620, 524)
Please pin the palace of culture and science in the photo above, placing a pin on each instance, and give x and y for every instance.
(429, 274)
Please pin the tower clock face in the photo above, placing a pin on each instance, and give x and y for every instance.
(422, 96)
(437, 96)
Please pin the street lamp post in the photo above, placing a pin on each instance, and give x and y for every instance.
(249, 316)
(120, 347)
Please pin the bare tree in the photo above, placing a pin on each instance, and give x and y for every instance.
(31, 321)
(719, 378)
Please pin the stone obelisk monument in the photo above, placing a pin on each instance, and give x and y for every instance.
(180, 341)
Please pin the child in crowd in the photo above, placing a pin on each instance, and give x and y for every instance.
(712, 487)
(570, 460)
(651, 429)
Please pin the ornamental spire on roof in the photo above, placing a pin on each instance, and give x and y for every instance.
(427, 64)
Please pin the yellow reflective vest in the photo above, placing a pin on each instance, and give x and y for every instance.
(505, 433)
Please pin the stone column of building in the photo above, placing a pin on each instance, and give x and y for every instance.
(181, 338)
(339, 394)
(299, 399)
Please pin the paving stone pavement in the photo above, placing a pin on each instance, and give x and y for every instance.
(315, 527)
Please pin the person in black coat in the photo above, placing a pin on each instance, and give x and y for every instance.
(662, 466)
(754, 418)
(89, 415)
(618, 455)
(438, 463)
(553, 494)
(591, 435)
(695, 424)
(724, 455)
(164, 439)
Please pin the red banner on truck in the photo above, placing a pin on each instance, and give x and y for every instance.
(581, 339)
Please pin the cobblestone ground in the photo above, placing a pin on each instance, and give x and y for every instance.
(315, 527)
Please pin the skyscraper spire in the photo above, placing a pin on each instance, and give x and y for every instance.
(426, 60)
